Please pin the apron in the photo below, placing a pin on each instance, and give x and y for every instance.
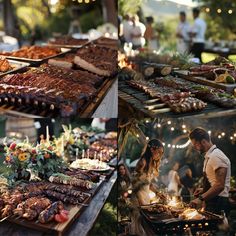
(216, 204)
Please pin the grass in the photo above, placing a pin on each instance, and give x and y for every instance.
(107, 221)
(206, 57)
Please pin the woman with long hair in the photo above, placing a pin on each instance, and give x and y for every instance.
(146, 171)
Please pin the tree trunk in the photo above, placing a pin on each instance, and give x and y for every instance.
(11, 25)
(110, 12)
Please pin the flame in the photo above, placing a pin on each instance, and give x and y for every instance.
(173, 202)
(123, 61)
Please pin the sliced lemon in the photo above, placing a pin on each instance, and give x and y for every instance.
(221, 78)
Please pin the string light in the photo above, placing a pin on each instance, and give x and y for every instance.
(172, 128)
(159, 125)
(173, 146)
(183, 126)
(230, 11)
(231, 138)
(219, 10)
(147, 138)
(209, 132)
(169, 122)
(137, 135)
(219, 136)
(207, 9)
(223, 134)
(234, 134)
(185, 131)
(169, 145)
(164, 144)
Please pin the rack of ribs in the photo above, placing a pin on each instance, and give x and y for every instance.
(96, 59)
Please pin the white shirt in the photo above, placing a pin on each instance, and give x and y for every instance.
(183, 28)
(126, 28)
(137, 29)
(213, 160)
(199, 27)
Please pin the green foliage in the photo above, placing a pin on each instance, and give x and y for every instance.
(131, 6)
(224, 20)
(59, 22)
(87, 20)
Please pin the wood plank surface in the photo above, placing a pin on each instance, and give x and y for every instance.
(81, 221)
(201, 80)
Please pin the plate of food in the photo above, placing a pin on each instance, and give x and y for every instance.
(9, 66)
(90, 164)
(35, 53)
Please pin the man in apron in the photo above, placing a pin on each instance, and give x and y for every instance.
(216, 174)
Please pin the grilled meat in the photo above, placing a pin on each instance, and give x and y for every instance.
(63, 197)
(71, 181)
(48, 214)
(98, 60)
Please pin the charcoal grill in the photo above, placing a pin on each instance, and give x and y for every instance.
(178, 226)
(149, 107)
(19, 109)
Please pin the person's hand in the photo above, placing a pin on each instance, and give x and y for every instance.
(196, 203)
(197, 192)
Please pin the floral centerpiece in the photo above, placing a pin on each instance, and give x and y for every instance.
(27, 161)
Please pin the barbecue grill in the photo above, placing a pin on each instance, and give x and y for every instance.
(178, 226)
(20, 109)
(149, 107)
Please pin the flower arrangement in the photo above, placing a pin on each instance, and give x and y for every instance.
(25, 160)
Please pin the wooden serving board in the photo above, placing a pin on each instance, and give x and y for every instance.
(201, 80)
(59, 228)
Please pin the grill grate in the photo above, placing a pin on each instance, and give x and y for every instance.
(154, 108)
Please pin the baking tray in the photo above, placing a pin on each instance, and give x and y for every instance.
(38, 61)
(18, 66)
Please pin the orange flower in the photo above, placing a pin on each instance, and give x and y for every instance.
(24, 156)
(8, 159)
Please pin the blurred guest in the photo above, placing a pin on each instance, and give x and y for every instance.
(137, 33)
(150, 34)
(124, 182)
(146, 171)
(197, 34)
(75, 27)
(187, 182)
(216, 174)
(182, 34)
(125, 29)
(174, 180)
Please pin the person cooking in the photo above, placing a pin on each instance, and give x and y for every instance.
(146, 171)
(216, 174)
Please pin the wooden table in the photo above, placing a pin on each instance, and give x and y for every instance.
(80, 227)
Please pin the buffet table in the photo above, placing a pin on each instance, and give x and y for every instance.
(80, 227)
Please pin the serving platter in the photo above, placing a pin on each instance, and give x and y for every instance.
(60, 228)
(201, 80)
(17, 67)
(38, 61)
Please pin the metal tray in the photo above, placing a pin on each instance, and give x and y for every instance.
(33, 61)
(17, 66)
